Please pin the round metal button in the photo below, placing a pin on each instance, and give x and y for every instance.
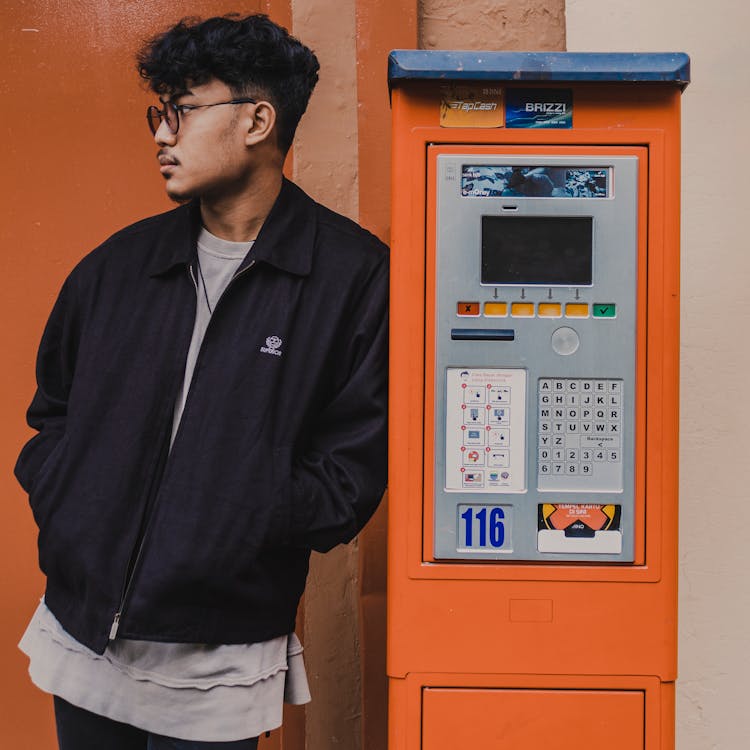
(565, 341)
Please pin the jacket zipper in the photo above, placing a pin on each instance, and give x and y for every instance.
(141, 540)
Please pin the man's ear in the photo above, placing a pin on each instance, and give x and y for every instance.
(261, 124)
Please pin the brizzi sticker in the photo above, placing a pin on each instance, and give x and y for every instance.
(539, 108)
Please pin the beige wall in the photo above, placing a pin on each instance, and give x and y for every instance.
(325, 165)
(492, 24)
(714, 641)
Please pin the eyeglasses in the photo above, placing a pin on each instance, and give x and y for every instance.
(171, 112)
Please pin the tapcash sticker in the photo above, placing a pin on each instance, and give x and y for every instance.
(471, 107)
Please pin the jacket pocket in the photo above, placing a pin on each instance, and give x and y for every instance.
(281, 477)
(44, 481)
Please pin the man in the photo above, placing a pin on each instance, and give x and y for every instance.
(211, 406)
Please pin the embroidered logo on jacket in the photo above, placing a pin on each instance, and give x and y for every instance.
(272, 346)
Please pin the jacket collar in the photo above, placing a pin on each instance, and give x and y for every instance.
(285, 240)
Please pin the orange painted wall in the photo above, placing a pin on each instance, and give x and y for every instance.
(78, 162)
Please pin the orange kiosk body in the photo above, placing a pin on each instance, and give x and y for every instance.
(532, 564)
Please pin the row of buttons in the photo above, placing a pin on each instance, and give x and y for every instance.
(543, 309)
(575, 385)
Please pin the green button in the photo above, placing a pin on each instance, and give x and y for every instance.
(604, 311)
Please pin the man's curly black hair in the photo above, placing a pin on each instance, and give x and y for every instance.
(254, 56)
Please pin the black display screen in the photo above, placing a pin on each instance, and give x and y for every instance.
(537, 250)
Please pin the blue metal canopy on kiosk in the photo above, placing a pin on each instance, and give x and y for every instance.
(547, 67)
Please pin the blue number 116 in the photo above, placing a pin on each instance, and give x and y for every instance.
(490, 527)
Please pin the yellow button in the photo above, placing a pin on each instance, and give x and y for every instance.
(576, 310)
(522, 309)
(496, 309)
(550, 310)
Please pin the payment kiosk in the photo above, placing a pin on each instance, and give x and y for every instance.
(534, 400)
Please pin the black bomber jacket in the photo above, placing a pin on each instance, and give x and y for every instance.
(281, 447)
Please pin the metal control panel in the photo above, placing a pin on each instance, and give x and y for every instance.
(535, 347)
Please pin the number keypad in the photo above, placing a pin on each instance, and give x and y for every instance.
(579, 434)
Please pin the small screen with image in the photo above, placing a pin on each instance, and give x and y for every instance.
(485, 181)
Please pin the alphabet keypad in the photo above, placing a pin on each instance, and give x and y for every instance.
(579, 434)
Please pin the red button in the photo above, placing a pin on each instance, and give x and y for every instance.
(467, 308)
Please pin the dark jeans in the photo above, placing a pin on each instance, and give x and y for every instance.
(78, 729)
